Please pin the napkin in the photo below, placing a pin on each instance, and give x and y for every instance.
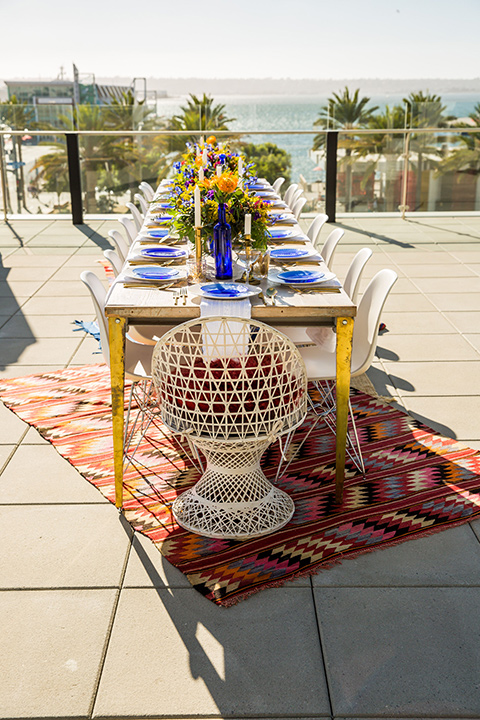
(226, 308)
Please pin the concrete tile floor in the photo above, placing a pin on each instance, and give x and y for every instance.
(95, 623)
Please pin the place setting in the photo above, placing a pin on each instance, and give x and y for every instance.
(161, 254)
(151, 276)
(305, 280)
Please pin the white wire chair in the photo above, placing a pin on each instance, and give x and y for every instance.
(232, 386)
(147, 190)
(278, 184)
(298, 206)
(137, 217)
(315, 227)
(121, 245)
(142, 202)
(320, 361)
(129, 227)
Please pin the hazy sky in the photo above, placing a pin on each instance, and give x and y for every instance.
(241, 38)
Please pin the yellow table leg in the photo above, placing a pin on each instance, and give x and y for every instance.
(117, 373)
(344, 356)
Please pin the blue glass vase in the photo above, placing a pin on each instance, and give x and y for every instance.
(222, 246)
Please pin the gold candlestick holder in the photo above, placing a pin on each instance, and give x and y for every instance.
(197, 275)
(248, 256)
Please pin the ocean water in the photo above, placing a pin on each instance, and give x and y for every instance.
(279, 113)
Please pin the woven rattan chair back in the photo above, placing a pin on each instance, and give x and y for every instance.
(227, 378)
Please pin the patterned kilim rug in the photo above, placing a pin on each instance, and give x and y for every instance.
(418, 482)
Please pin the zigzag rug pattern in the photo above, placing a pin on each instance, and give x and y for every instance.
(417, 482)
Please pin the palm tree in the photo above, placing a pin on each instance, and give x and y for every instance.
(198, 114)
(424, 110)
(384, 145)
(18, 115)
(344, 111)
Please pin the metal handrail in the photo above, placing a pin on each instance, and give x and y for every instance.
(222, 133)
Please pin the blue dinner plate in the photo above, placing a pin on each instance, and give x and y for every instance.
(301, 276)
(288, 253)
(164, 206)
(160, 233)
(163, 219)
(154, 273)
(279, 233)
(163, 252)
(225, 290)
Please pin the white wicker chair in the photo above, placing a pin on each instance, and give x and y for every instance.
(232, 386)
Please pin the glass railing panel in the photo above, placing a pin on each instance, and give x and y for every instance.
(446, 171)
(112, 167)
(370, 173)
(36, 175)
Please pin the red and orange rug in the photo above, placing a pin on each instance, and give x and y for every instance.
(418, 482)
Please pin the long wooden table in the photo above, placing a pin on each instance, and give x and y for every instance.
(145, 305)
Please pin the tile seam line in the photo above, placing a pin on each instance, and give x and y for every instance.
(108, 635)
(322, 651)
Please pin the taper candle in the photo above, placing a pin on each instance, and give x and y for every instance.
(198, 207)
(248, 224)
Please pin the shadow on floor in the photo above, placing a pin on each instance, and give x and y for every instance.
(376, 236)
(95, 237)
(12, 348)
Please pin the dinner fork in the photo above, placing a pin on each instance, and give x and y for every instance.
(176, 294)
(184, 294)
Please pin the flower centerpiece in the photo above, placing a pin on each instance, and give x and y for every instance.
(218, 189)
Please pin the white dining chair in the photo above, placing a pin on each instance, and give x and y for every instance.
(320, 361)
(115, 261)
(298, 207)
(147, 190)
(351, 284)
(278, 184)
(289, 193)
(121, 245)
(232, 386)
(129, 227)
(143, 204)
(137, 217)
(330, 245)
(315, 227)
(325, 336)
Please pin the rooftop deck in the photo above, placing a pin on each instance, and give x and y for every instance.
(96, 624)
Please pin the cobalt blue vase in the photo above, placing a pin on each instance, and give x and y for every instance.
(222, 246)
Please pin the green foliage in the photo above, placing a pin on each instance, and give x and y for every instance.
(199, 113)
(343, 111)
(17, 115)
(270, 161)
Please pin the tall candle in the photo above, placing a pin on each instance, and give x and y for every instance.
(240, 166)
(198, 207)
(201, 174)
(248, 224)
(219, 170)
(204, 156)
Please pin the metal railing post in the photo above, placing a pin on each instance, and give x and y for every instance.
(3, 175)
(74, 177)
(331, 175)
(404, 206)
